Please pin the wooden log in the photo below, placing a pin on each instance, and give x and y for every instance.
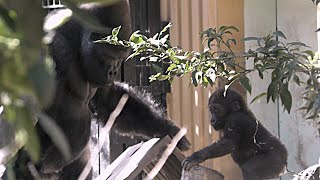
(201, 173)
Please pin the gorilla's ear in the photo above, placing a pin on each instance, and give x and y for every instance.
(236, 106)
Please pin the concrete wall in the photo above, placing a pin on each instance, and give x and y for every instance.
(298, 20)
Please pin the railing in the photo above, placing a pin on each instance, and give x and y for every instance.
(52, 4)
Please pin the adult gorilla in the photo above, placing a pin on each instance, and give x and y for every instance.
(85, 84)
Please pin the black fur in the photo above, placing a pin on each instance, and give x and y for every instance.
(85, 75)
(259, 154)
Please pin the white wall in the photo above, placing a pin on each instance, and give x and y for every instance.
(298, 20)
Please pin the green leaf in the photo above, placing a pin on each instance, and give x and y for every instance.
(165, 28)
(154, 77)
(232, 28)
(286, 97)
(310, 106)
(171, 67)
(279, 34)
(260, 73)
(298, 44)
(308, 52)
(258, 97)
(250, 39)
(163, 77)
(271, 90)
(115, 31)
(232, 40)
(136, 38)
(194, 78)
(314, 116)
(245, 82)
(272, 43)
(209, 42)
(296, 79)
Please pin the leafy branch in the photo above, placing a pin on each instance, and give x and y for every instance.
(287, 62)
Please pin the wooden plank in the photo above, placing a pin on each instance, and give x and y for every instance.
(120, 161)
(133, 162)
(153, 152)
(127, 162)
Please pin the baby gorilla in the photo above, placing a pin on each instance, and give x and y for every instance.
(259, 154)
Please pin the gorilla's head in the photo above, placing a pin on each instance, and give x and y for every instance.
(102, 61)
(222, 104)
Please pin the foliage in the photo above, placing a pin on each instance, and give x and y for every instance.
(286, 62)
(20, 65)
(27, 73)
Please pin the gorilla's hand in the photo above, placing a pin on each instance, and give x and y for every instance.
(190, 161)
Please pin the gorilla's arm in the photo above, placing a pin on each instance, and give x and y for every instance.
(140, 116)
(219, 148)
(225, 145)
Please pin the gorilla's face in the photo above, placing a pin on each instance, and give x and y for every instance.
(101, 61)
(217, 116)
(222, 104)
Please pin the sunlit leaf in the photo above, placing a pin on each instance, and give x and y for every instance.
(115, 31)
(136, 38)
(165, 29)
(308, 52)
